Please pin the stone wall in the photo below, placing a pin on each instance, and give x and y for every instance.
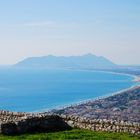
(102, 125)
(20, 123)
(31, 124)
(7, 116)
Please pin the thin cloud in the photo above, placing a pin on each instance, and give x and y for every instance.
(51, 24)
(39, 24)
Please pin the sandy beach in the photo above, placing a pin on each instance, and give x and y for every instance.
(137, 79)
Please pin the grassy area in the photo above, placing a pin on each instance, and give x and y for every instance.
(74, 134)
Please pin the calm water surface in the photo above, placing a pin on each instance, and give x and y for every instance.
(36, 89)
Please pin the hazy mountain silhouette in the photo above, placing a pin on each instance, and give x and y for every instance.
(84, 61)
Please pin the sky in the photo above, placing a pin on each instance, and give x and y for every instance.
(109, 28)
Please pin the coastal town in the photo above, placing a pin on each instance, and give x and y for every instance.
(124, 106)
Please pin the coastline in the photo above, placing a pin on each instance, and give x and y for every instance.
(118, 113)
(135, 79)
(88, 100)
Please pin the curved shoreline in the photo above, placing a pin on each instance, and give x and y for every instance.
(135, 79)
(87, 100)
(80, 115)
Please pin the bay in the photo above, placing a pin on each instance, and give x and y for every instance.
(41, 89)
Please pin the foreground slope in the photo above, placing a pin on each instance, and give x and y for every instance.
(75, 134)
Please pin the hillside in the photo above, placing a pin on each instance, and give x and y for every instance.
(50, 61)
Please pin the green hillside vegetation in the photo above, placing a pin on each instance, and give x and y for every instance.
(74, 134)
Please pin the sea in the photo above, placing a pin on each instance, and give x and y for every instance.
(36, 90)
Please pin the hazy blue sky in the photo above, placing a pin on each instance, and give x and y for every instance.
(110, 28)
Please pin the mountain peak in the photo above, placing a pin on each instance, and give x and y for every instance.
(89, 55)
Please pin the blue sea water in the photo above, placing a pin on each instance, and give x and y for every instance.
(36, 89)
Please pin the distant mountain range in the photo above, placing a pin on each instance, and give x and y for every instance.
(84, 61)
